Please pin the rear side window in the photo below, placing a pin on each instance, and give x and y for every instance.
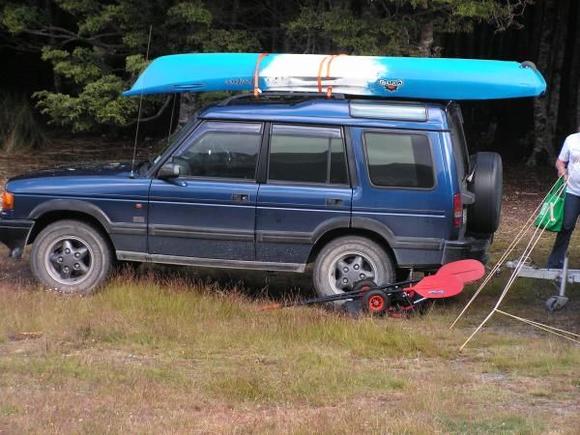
(306, 154)
(399, 160)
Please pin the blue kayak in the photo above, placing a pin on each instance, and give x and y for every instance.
(395, 77)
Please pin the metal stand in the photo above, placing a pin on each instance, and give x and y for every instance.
(562, 276)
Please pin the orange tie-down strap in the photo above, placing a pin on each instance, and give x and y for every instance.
(328, 61)
(257, 90)
(319, 76)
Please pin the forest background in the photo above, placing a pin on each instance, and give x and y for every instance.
(65, 62)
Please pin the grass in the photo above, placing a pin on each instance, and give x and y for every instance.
(166, 352)
(151, 354)
(505, 425)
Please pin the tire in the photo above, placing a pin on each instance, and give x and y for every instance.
(71, 257)
(375, 302)
(484, 214)
(346, 249)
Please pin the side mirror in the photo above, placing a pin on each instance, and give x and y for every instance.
(168, 171)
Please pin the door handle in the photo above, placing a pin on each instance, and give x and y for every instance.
(334, 202)
(240, 197)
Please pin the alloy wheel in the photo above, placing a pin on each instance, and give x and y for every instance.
(69, 260)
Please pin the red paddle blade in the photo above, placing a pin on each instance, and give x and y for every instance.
(467, 271)
(438, 287)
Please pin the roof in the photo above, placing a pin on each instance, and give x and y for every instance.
(331, 112)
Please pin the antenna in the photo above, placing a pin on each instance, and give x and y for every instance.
(171, 120)
(139, 110)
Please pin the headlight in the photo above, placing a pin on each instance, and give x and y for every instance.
(6, 201)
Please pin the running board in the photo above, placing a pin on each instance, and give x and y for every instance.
(178, 260)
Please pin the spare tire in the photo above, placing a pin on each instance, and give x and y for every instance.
(487, 184)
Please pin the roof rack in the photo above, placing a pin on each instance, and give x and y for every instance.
(277, 97)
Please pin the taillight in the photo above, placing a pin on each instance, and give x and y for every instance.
(7, 201)
(457, 211)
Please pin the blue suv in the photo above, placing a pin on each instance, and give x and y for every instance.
(357, 189)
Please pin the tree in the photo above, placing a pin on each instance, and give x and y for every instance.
(551, 51)
(97, 49)
(393, 27)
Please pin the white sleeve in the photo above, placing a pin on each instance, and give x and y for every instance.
(565, 153)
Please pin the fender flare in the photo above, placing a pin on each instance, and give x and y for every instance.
(361, 223)
(76, 205)
(357, 223)
(332, 224)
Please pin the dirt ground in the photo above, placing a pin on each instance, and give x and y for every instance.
(166, 350)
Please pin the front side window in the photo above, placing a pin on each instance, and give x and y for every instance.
(399, 160)
(306, 154)
(222, 150)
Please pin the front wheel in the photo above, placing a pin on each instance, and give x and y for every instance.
(347, 260)
(71, 257)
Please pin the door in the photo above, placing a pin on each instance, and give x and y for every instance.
(404, 190)
(306, 193)
(209, 211)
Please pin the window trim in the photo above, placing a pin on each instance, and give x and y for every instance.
(199, 132)
(457, 128)
(351, 166)
(263, 158)
(340, 129)
(398, 132)
(169, 151)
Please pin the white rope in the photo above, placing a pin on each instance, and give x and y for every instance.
(521, 262)
(559, 332)
(505, 255)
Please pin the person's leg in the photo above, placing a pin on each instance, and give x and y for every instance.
(571, 212)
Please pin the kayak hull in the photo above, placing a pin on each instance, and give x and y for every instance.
(385, 77)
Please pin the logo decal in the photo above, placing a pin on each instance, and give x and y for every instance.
(238, 82)
(391, 85)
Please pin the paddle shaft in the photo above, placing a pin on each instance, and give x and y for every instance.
(398, 287)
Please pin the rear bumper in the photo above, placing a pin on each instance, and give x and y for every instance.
(469, 248)
(14, 234)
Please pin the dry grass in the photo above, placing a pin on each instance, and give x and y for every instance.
(152, 354)
(166, 351)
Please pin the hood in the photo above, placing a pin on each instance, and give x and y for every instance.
(80, 170)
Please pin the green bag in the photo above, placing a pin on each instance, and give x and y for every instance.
(551, 215)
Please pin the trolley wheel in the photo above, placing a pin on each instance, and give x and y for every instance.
(556, 303)
(375, 302)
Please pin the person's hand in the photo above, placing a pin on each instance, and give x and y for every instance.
(563, 173)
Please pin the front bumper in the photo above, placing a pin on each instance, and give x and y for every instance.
(469, 248)
(14, 234)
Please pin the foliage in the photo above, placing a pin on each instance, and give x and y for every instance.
(97, 48)
(392, 27)
(19, 128)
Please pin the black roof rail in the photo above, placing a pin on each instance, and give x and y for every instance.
(277, 97)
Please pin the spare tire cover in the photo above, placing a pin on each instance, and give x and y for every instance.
(487, 184)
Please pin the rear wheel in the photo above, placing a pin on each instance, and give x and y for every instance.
(71, 257)
(347, 260)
